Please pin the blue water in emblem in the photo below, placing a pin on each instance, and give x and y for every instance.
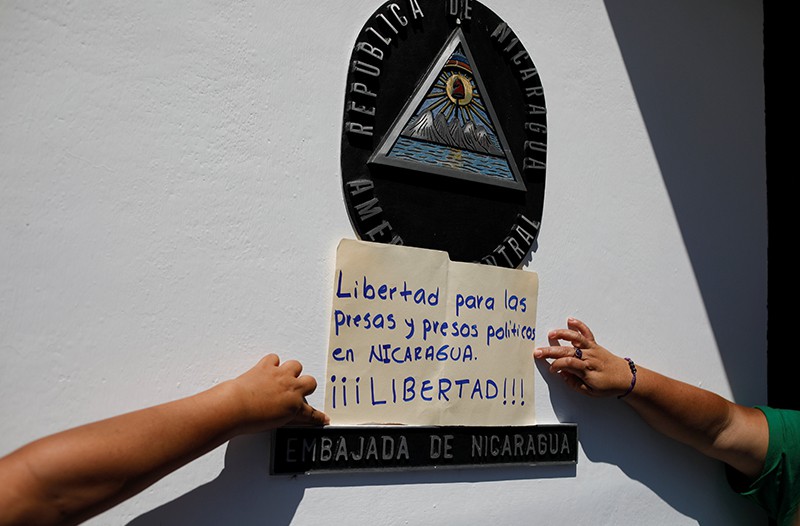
(438, 155)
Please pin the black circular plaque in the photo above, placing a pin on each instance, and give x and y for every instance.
(444, 138)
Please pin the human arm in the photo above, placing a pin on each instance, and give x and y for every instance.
(73, 475)
(716, 427)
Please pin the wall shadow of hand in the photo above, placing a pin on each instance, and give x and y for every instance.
(243, 493)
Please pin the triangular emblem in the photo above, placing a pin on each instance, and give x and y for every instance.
(449, 126)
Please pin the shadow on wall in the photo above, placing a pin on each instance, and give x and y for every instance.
(697, 73)
(244, 493)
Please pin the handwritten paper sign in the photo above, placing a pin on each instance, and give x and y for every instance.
(417, 339)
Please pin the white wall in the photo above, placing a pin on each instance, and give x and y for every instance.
(170, 203)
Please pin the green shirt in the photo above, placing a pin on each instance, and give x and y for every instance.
(777, 488)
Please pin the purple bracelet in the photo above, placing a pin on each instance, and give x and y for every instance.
(633, 380)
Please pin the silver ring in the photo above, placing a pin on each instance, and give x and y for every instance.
(578, 354)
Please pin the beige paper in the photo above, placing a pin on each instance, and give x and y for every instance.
(417, 339)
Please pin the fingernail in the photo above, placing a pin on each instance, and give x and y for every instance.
(537, 353)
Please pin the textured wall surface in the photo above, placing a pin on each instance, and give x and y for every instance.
(170, 203)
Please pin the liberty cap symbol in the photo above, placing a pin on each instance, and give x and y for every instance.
(448, 126)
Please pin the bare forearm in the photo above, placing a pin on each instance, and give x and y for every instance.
(70, 476)
(680, 411)
(718, 428)
(75, 474)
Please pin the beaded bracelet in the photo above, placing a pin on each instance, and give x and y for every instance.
(633, 380)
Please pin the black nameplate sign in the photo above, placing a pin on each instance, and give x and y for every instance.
(309, 450)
